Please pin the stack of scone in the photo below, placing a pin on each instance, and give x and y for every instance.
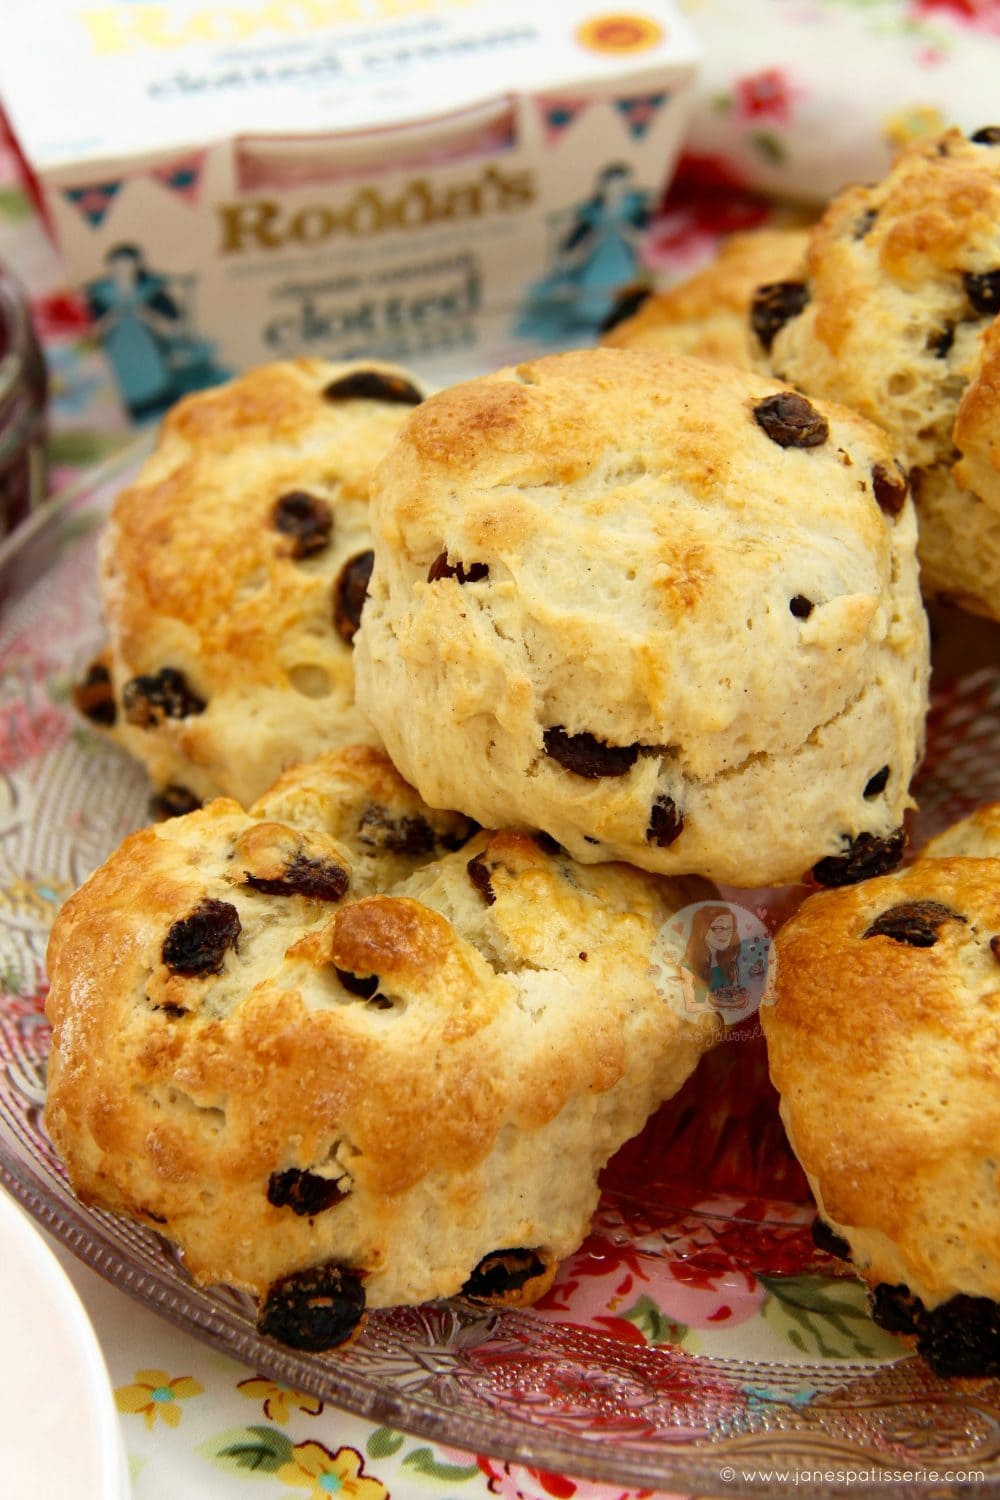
(658, 621)
(884, 1038)
(649, 617)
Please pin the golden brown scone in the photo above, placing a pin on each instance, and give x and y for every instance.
(664, 610)
(233, 572)
(343, 1067)
(884, 1043)
(895, 318)
(707, 316)
(978, 836)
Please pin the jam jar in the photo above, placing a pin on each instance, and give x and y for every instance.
(23, 393)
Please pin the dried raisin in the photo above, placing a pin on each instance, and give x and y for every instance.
(666, 824)
(148, 700)
(504, 1271)
(866, 855)
(479, 874)
(402, 835)
(319, 880)
(373, 385)
(173, 801)
(864, 223)
(305, 1193)
(198, 943)
(915, 923)
(626, 304)
(876, 785)
(827, 1239)
(940, 340)
(94, 696)
(890, 489)
(960, 1337)
(306, 519)
(983, 290)
(791, 421)
(773, 306)
(442, 568)
(586, 756)
(894, 1308)
(349, 594)
(365, 986)
(314, 1309)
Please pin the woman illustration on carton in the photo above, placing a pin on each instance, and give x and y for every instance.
(143, 330)
(593, 259)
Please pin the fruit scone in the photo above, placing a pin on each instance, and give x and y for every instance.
(347, 1052)
(895, 316)
(233, 573)
(706, 316)
(884, 1043)
(665, 610)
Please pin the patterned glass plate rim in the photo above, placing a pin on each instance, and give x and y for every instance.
(712, 1367)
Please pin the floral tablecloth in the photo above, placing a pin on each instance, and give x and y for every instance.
(797, 96)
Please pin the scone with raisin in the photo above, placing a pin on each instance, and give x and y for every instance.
(707, 315)
(666, 611)
(884, 1043)
(348, 1053)
(895, 317)
(233, 572)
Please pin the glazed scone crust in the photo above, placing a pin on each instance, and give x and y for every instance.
(887, 1059)
(706, 316)
(523, 1043)
(645, 540)
(891, 329)
(196, 576)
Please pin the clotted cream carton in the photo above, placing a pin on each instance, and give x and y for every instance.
(445, 182)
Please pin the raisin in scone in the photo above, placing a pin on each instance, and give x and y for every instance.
(884, 1043)
(346, 1055)
(894, 317)
(707, 315)
(667, 612)
(233, 572)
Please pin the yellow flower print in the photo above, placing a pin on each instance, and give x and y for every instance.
(279, 1400)
(156, 1394)
(323, 1473)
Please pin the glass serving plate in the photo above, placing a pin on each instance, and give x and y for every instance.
(695, 1337)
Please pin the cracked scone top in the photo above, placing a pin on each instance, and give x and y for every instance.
(347, 1056)
(895, 317)
(665, 611)
(884, 1044)
(233, 572)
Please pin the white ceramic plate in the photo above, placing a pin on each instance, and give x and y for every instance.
(59, 1431)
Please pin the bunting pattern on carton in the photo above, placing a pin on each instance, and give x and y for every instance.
(559, 113)
(181, 176)
(640, 112)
